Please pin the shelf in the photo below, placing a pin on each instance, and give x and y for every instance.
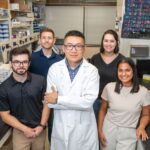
(21, 26)
(38, 19)
(18, 42)
(4, 43)
(40, 2)
(21, 11)
(4, 19)
(4, 9)
(20, 23)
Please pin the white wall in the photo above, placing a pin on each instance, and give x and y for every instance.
(63, 18)
(98, 19)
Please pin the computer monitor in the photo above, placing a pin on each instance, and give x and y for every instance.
(143, 67)
(139, 51)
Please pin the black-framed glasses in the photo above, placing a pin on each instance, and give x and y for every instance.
(77, 47)
(18, 63)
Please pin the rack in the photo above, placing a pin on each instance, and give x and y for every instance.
(20, 23)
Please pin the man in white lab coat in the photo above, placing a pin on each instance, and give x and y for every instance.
(72, 88)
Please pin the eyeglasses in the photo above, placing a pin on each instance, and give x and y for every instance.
(69, 47)
(18, 63)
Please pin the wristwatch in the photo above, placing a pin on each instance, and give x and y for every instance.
(43, 126)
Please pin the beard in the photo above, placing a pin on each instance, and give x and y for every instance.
(46, 46)
(20, 71)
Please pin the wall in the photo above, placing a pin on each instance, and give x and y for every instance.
(92, 20)
(97, 19)
(90, 51)
(126, 43)
(62, 19)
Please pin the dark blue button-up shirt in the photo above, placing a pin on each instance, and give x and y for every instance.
(40, 63)
(73, 72)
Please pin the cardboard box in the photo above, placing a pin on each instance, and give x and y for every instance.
(4, 4)
(24, 7)
(14, 6)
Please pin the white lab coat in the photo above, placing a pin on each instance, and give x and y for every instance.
(74, 126)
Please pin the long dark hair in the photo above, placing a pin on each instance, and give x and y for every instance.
(115, 35)
(135, 86)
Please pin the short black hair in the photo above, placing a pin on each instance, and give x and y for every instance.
(19, 51)
(75, 33)
(46, 29)
(135, 87)
(115, 35)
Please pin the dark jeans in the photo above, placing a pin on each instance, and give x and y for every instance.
(50, 124)
(96, 107)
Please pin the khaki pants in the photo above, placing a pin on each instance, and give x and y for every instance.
(20, 142)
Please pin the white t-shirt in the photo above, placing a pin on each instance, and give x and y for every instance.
(124, 109)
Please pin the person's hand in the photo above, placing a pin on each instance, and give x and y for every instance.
(102, 138)
(141, 133)
(29, 132)
(38, 130)
(51, 97)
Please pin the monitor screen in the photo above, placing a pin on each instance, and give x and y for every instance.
(139, 51)
(143, 67)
